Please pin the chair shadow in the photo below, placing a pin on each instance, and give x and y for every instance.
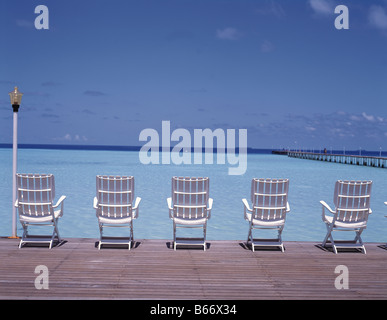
(134, 245)
(248, 247)
(56, 244)
(383, 246)
(194, 247)
(339, 250)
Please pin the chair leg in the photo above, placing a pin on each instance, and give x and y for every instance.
(131, 234)
(174, 235)
(100, 235)
(55, 234)
(359, 239)
(251, 239)
(333, 243)
(280, 229)
(328, 235)
(204, 235)
(25, 234)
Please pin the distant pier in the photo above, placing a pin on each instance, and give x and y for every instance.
(369, 161)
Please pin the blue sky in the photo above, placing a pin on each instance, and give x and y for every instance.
(105, 70)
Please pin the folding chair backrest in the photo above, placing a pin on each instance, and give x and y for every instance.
(190, 197)
(35, 194)
(115, 196)
(269, 198)
(352, 200)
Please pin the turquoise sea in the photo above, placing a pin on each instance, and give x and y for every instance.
(75, 172)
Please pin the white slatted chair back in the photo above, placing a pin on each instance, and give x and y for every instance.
(352, 201)
(35, 195)
(269, 198)
(190, 197)
(115, 195)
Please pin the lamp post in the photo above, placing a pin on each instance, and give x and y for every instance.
(15, 96)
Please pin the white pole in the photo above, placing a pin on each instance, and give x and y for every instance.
(14, 169)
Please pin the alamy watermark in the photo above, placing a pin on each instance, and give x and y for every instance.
(181, 152)
(41, 281)
(342, 20)
(342, 280)
(42, 20)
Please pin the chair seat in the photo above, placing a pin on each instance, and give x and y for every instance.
(35, 219)
(192, 222)
(263, 223)
(346, 225)
(107, 220)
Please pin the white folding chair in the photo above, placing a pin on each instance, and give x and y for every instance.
(352, 208)
(269, 198)
(114, 207)
(190, 207)
(35, 195)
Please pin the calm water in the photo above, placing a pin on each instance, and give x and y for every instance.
(75, 171)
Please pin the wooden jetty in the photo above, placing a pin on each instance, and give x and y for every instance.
(378, 162)
(226, 270)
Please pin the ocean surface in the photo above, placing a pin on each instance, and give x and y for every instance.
(75, 172)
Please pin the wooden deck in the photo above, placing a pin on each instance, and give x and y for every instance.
(226, 270)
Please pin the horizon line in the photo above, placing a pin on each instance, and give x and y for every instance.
(138, 148)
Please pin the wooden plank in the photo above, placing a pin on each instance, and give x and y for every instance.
(226, 270)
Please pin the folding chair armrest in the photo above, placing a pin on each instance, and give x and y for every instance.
(169, 202)
(136, 207)
(246, 204)
(95, 203)
(210, 202)
(60, 202)
(209, 208)
(325, 205)
(287, 207)
(246, 208)
(17, 203)
(137, 203)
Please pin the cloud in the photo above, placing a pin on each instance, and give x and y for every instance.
(377, 17)
(36, 94)
(322, 7)
(80, 138)
(49, 115)
(228, 34)
(68, 137)
(94, 93)
(271, 8)
(336, 127)
(267, 46)
(7, 82)
(24, 23)
(87, 111)
(50, 84)
(368, 117)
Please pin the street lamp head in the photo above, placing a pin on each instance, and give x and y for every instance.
(15, 96)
